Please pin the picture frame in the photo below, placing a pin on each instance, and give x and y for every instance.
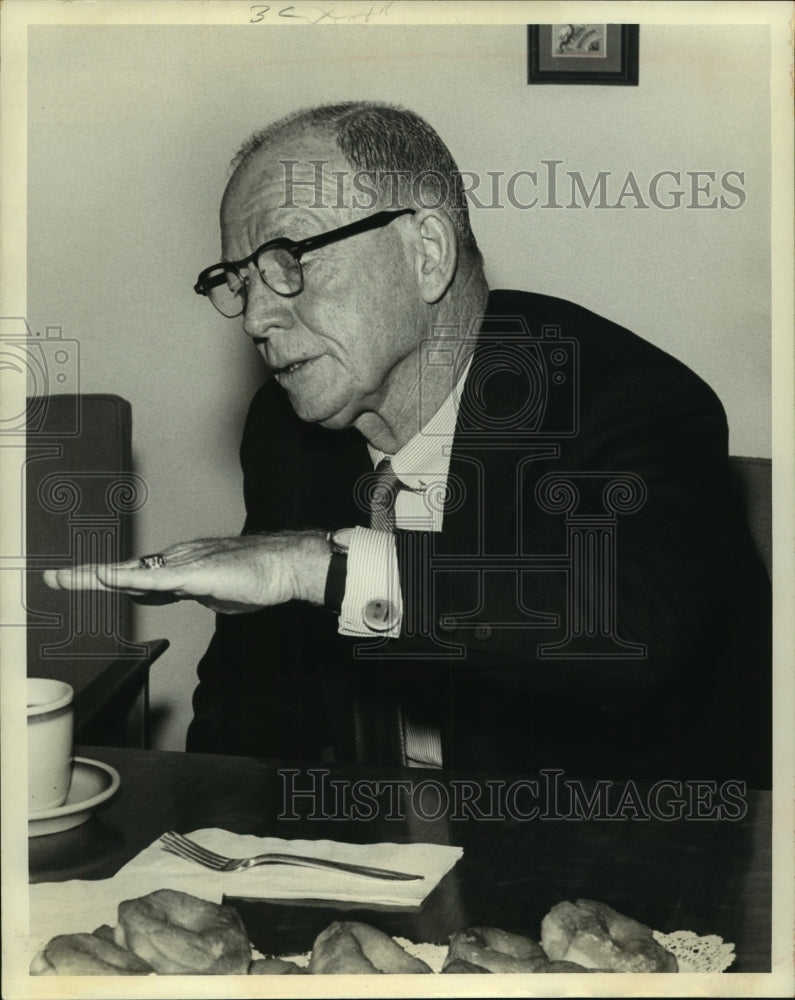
(583, 54)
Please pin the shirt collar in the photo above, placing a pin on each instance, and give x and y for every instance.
(425, 459)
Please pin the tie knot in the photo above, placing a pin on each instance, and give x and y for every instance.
(383, 497)
(385, 471)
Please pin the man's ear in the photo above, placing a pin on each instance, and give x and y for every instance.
(437, 253)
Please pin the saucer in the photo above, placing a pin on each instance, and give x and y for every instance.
(92, 784)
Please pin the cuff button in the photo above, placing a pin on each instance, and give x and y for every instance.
(379, 615)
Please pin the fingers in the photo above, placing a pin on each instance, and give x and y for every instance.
(133, 578)
(74, 578)
(224, 574)
(128, 577)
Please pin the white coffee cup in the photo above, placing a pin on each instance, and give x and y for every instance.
(50, 740)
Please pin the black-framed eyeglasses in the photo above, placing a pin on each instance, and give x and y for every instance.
(279, 265)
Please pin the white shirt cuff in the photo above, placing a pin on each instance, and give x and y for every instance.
(373, 604)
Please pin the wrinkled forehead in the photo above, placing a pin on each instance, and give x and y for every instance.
(292, 182)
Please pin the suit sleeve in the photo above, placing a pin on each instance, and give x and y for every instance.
(260, 678)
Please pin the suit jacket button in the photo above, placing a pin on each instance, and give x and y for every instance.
(483, 632)
(446, 624)
(379, 615)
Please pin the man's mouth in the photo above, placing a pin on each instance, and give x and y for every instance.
(284, 371)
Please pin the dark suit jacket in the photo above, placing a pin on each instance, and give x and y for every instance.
(593, 603)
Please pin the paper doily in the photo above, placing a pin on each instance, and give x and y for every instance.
(693, 953)
(697, 954)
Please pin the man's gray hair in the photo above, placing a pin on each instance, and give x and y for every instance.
(385, 141)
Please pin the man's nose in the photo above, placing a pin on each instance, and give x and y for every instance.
(266, 311)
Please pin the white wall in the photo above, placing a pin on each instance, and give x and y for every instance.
(130, 133)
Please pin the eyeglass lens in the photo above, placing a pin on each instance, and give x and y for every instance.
(278, 268)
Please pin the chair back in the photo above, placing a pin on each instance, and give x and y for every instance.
(80, 502)
(81, 494)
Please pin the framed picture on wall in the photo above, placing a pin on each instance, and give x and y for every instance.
(583, 53)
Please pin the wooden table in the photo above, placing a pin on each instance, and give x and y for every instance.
(708, 875)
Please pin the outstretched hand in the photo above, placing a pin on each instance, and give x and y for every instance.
(230, 575)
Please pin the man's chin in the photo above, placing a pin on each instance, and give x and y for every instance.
(310, 412)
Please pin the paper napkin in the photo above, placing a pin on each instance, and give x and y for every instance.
(82, 906)
(432, 861)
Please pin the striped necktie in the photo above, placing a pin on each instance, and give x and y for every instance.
(421, 745)
(383, 497)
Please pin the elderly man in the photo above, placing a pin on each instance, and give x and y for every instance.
(484, 529)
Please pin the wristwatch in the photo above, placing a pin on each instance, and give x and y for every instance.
(337, 569)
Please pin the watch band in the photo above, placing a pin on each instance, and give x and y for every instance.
(335, 578)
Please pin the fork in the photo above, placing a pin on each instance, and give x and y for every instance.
(184, 847)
